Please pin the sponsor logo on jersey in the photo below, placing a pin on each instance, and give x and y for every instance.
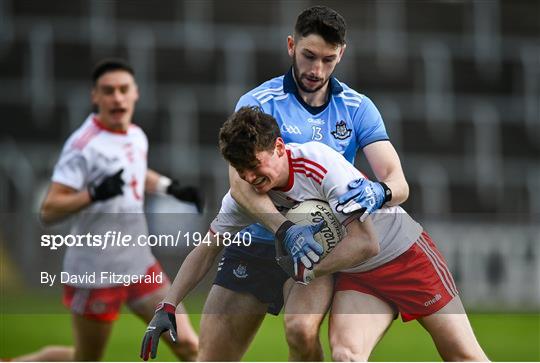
(315, 121)
(240, 271)
(290, 129)
(433, 301)
(341, 132)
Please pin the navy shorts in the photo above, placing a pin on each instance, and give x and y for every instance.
(239, 270)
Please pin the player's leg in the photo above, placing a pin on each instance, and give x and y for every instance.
(91, 337)
(305, 309)
(229, 323)
(444, 318)
(245, 289)
(93, 314)
(50, 353)
(452, 333)
(143, 299)
(357, 322)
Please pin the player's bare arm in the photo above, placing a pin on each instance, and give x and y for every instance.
(195, 267)
(61, 201)
(384, 161)
(258, 205)
(358, 245)
(391, 189)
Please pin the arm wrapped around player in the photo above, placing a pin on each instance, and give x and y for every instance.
(365, 196)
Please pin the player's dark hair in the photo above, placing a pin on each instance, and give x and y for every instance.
(109, 65)
(245, 133)
(323, 21)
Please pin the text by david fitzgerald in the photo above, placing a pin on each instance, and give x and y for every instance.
(100, 278)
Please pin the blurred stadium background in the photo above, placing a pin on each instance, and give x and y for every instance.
(457, 83)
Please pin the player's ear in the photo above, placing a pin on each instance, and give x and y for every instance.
(136, 92)
(93, 96)
(290, 45)
(341, 52)
(280, 147)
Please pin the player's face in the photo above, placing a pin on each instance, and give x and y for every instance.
(314, 61)
(272, 171)
(115, 95)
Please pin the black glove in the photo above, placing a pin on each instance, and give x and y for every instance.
(109, 187)
(163, 320)
(187, 194)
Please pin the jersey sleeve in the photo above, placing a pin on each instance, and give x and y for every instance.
(247, 100)
(144, 139)
(368, 123)
(72, 168)
(231, 217)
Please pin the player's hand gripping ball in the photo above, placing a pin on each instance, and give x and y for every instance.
(312, 212)
(313, 223)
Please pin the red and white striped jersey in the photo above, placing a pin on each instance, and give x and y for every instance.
(316, 171)
(90, 154)
(93, 152)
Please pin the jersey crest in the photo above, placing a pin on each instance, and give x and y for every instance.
(341, 132)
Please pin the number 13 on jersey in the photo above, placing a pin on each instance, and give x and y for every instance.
(316, 136)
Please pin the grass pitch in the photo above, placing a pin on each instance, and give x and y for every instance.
(504, 337)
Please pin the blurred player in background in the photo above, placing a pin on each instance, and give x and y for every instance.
(389, 264)
(309, 104)
(101, 178)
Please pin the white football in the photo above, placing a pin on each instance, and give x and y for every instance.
(314, 211)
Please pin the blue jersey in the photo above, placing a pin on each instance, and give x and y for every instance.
(348, 121)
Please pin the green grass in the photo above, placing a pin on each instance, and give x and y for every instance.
(504, 337)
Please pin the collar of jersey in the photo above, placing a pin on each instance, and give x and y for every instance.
(289, 86)
(291, 175)
(101, 126)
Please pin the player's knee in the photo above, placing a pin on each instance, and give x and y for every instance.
(301, 332)
(343, 353)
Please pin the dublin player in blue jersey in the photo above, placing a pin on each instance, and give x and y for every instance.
(309, 104)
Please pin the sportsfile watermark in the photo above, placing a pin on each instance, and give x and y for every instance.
(101, 278)
(122, 239)
(489, 265)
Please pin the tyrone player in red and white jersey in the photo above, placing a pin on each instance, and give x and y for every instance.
(387, 265)
(100, 179)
